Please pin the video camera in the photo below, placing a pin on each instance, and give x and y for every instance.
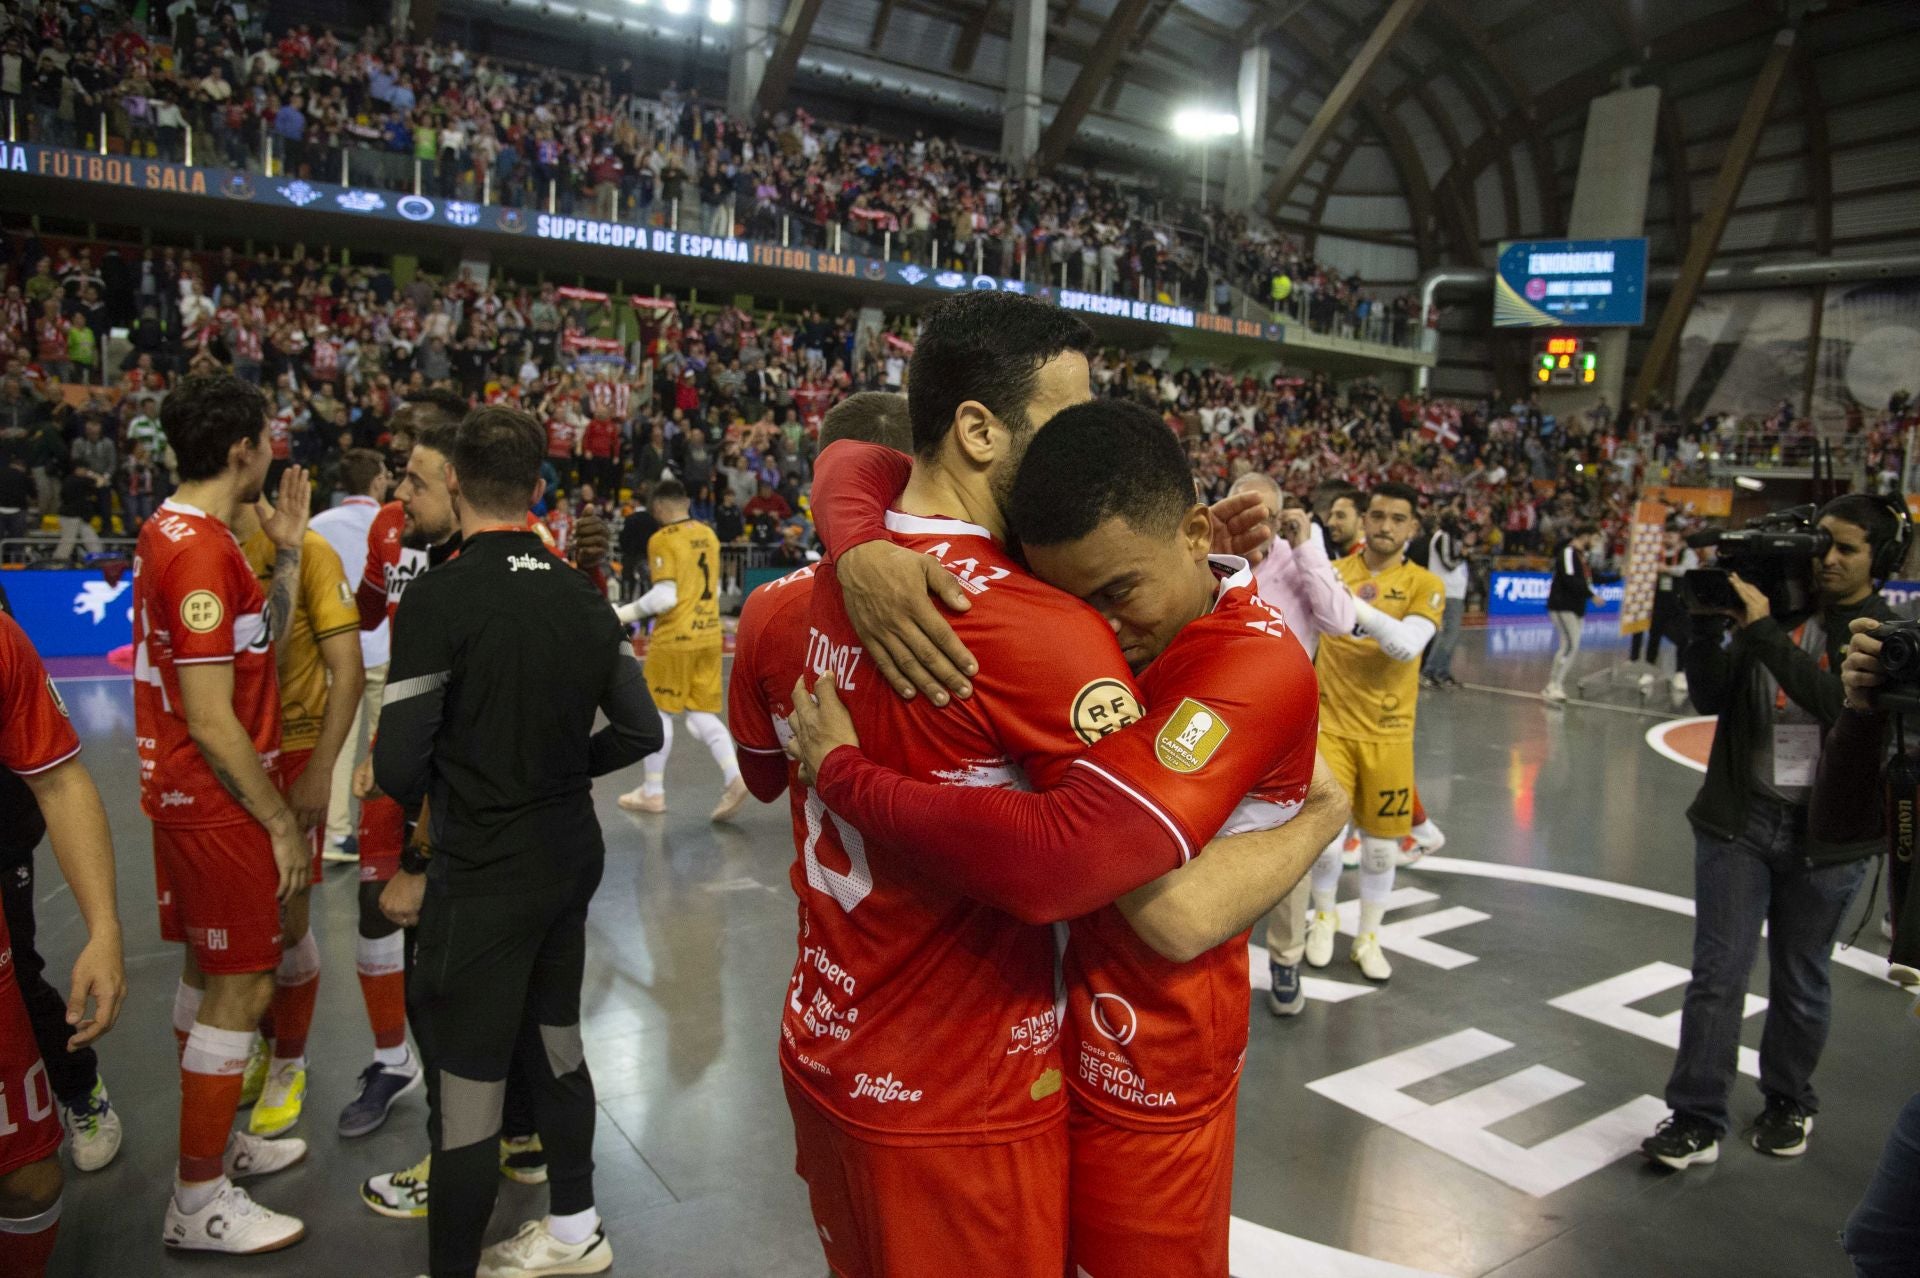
(1774, 553)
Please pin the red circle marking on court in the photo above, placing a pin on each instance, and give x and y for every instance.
(1685, 741)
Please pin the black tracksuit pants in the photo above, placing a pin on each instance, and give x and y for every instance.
(496, 983)
(70, 1074)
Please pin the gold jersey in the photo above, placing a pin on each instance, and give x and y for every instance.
(687, 553)
(322, 607)
(1365, 695)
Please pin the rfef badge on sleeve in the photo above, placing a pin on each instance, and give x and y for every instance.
(1190, 737)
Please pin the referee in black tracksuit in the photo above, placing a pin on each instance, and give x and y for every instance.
(501, 659)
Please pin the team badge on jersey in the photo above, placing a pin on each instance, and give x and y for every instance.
(201, 611)
(1368, 591)
(1101, 707)
(1190, 737)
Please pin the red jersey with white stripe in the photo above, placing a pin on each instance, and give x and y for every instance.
(561, 434)
(1155, 1044)
(35, 734)
(769, 653)
(391, 564)
(916, 1015)
(195, 601)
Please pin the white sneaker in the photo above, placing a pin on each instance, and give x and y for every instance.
(93, 1129)
(1350, 852)
(1321, 929)
(641, 801)
(232, 1223)
(1646, 682)
(534, 1250)
(249, 1155)
(1367, 957)
(1679, 686)
(731, 801)
(1555, 694)
(1429, 837)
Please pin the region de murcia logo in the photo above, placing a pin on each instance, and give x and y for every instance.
(1113, 1016)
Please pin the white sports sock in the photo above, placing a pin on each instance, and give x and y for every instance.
(392, 1057)
(1326, 874)
(186, 1006)
(1376, 868)
(194, 1198)
(655, 764)
(1371, 912)
(710, 732)
(380, 955)
(576, 1228)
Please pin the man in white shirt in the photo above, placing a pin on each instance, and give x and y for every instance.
(363, 473)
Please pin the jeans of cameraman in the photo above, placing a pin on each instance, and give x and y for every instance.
(1739, 884)
(1440, 655)
(1883, 1234)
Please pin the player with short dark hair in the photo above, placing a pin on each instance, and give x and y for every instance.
(1369, 688)
(495, 736)
(1103, 504)
(684, 650)
(948, 1114)
(227, 849)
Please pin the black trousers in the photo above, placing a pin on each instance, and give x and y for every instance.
(71, 1074)
(496, 981)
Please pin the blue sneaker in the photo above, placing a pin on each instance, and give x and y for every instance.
(380, 1086)
(1286, 997)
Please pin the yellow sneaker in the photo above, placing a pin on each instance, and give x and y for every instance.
(402, 1194)
(255, 1077)
(278, 1108)
(522, 1159)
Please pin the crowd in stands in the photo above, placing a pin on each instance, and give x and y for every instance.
(390, 113)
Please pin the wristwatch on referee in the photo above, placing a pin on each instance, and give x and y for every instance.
(414, 857)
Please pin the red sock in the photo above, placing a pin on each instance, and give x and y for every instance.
(26, 1245)
(383, 984)
(210, 1073)
(1419, 808)
(296, 985)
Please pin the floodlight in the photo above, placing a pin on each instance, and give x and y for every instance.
(1200, 124)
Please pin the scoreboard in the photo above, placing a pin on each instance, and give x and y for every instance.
(1563, 360)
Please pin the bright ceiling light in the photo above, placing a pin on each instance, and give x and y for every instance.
(1199, 124)
(720, 11)
(679, 6)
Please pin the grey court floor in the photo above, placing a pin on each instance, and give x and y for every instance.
(1473, 1118)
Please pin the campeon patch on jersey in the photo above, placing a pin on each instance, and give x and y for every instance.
(1190, 737)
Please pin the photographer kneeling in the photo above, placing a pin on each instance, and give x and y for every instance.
(1775, 686)
(1850, 801)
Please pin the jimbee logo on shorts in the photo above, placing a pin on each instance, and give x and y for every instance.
(884, 1089)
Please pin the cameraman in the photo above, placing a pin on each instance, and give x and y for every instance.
(1850, 802)
(1775, 691)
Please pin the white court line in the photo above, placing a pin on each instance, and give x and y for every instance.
(1258, 1252)
(1643, 711)
(112, 678)
(1657, 738)
(1860, 960)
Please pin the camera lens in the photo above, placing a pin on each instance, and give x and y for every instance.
(1900, 656)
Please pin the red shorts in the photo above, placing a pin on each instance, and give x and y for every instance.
(29, 1120)
(219, 892)
(383, 829)
(292, 764)
(1151, 1204)
(941, 1211)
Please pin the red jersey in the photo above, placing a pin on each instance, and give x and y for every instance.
(1155, 1044)
(561, 434)
(916, 1015)
(280, 434)
(601, 437)
(391, 564)
(769, 652)
(37, 734)
(196, 601)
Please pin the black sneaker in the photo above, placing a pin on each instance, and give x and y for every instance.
(380, 1086)
(1782, 1129)
(1680, 1142)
